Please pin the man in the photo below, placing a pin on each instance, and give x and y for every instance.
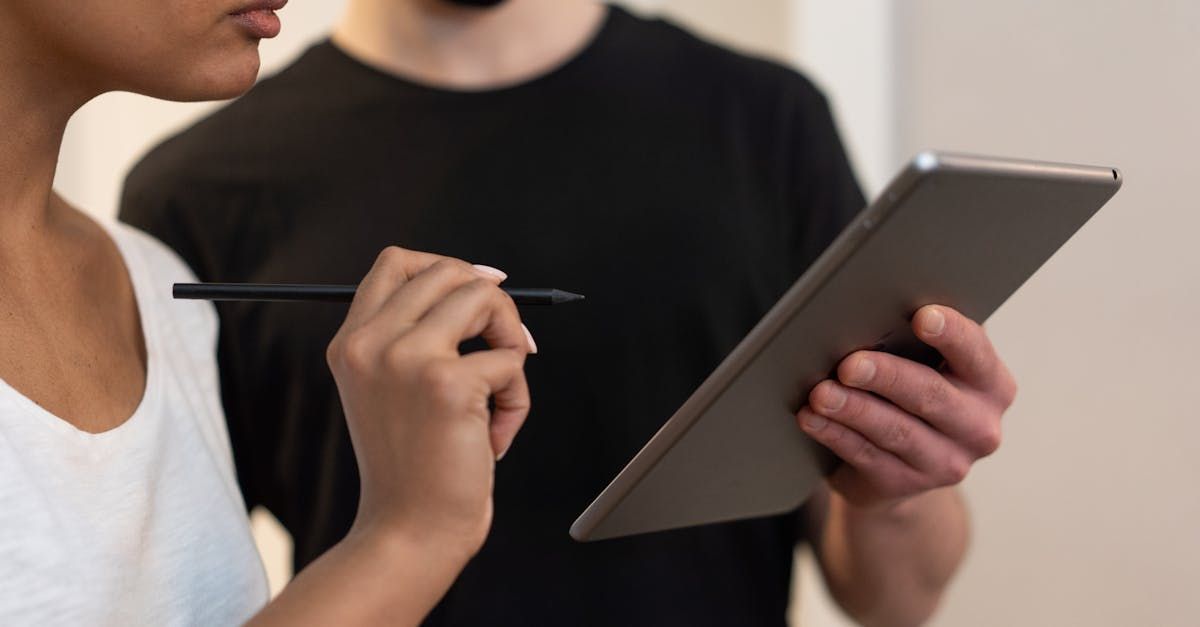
(680, 186)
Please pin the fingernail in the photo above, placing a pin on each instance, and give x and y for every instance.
(934, 322)
(813, 422)
(502, 454)
(834, 398)
(490, 271)
(529, 336)
(862, 373)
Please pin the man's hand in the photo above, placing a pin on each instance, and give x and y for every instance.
(903, 428)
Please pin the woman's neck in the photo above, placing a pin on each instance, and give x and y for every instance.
(464, 48)
(36, 101)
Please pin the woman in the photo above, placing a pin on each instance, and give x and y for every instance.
(118, 503)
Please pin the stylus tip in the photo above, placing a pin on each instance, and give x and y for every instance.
(559, 296)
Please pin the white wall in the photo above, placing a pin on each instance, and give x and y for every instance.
(1090, 512)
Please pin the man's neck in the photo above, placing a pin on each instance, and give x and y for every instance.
(444, 45)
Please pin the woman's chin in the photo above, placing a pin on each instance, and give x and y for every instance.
(229, 78)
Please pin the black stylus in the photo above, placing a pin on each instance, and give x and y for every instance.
(283, 292)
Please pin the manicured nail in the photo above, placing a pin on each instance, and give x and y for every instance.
(490, 271)
(862, 373)
(834, 398)
(934, 322)
(529, 336)
(813, 422)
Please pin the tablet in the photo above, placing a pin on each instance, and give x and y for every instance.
(951, 229)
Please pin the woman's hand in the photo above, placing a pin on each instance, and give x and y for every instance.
(425, 439)
(424, 436)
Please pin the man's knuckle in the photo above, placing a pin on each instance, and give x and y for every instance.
(898, 435)
(933, 397)
(895, 484)
(1008, 390)
(955, 470)
(836, 436)
(867, 453)
(891, 376)
(985, 363)
(987, 437)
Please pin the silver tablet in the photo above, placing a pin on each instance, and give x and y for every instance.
(957, 230)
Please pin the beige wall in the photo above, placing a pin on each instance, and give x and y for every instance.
(763, 26)
(109, 134)
(1090, 512)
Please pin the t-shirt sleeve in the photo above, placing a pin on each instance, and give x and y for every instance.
(160, 203)
(151, 201)
(824, 197)
(825, 194)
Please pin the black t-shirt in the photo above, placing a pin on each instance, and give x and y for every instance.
(680, 186)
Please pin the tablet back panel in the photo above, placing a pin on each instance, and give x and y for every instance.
(957, 230)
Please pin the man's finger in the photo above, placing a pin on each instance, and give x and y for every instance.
(884, 424)
(913, 387)
(852, 447)
(503, 370)
(969, 353)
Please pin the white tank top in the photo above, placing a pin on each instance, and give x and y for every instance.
(142, 524)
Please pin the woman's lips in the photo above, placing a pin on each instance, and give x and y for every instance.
(259, 19)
